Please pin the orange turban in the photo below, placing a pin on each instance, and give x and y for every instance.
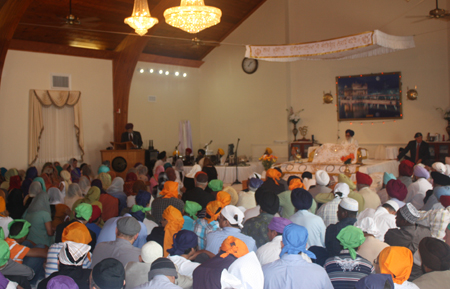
(170, 190)
(233, 246)
(175, 222)
(76, 232)
(396, 261)
(296, 184)
(213, 210)
(224, 198)
(2, 206)
(274, 174)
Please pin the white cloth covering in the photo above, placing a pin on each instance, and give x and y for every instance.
(350, 141)
(382, 218)
(246, 200)
(250, 213)
(249, 272)
(185, 267)
(270, 252)
(158, 282)
(417, 191)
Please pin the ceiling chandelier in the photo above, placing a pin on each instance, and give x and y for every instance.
(141, 20)
(192, 16)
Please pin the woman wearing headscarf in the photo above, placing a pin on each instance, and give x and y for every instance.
(10, 173)
(116, 190)
(59, 210)
(173, 221)
(110, 204)
(209, 169)
(137, 186)
(15, 182)
(92, 197)
(73, 194)
(35, 189)
(42, 182)
(130, 179)
(65, 175)
(50, 175)
(15, 204)
(85, 185)
(154, 179)
(209, 273)
(397, 262)
(87, 171)
(30, 175)
(39, 216)
(106, 180)
(179, 168)
(142, 172)
(75, 172)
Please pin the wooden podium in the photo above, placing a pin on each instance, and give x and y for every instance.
(122, 157)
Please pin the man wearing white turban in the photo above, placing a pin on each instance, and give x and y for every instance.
(322, 181)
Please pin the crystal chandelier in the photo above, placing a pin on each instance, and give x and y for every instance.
(192, 16)
(141, 20)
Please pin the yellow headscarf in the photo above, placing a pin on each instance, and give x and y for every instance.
(170, 190)
(175, 222)
(296, 184)
(396, 261)
(273, 174)
(233, 246)
(105, 179)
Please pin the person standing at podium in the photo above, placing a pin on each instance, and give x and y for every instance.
(131, 135)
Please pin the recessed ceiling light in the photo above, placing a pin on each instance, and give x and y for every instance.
(151, 70)
(167, 73)
(141, 70)
(184, 74)
(177, 73)
(161, 72)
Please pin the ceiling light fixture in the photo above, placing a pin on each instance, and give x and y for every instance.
(141, 20)
(192, 16)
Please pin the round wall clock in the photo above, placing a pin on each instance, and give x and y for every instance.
(119, 164)
(249, 65)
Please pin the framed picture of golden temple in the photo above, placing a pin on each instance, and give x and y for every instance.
(369, 97)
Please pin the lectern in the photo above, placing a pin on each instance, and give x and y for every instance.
(123, 157)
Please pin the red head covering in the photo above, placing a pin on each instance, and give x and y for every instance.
(199, 173)
(396, 189)
(96, 212)
(131, 177)
(273, 174)
(14, 182)
(445, 201)
(406, 168)
(363, 179)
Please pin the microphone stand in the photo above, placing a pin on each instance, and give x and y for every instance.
(237, 182)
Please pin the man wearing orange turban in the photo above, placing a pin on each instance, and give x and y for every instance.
(397, 262)
(224, 198)
(233, 246)
(203, 226)
(170, 190)
(273, 174)
(173, 221)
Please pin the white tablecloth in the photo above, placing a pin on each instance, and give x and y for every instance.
(228, 174)
(386, 152)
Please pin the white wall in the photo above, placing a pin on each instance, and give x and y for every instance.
(24, 71)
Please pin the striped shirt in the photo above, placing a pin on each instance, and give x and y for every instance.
(52, 259)
(202, 228)
(18, 252)
(344, 272)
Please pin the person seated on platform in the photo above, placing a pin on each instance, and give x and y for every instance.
(371, 199)
(419, 150)
(371, 247)
(270, 251)
(418, 190)
(190, 214)
(349, 138)
(382, 194)
(184, 247)
(162, 274)
(397, 262)
(131, 135)
(198, 194)
(169, 197)
(408, 234)
(256, 227)
(328, 211)
(321, 187)
(347, 267)
(200, 156)
(405, 172)
(292, 270)
(247, 197)
(108, 274)
(435, 256)
(71, 259)
(203, 226)
(346, 213)
(230, 220)
(162, 159)
(441, 184)
(137, 272)
(122, 248)
(209, 169)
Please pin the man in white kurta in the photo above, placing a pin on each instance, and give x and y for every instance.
(417, 190)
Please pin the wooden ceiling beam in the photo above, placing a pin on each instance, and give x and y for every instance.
(145, 57)
(10, 15)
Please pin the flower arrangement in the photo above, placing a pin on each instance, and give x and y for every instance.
(268, 161)
(348, 159)
(294, 117)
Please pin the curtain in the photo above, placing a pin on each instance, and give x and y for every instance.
(59, 99)
(184, 136)
(58, 139)
(347, 47)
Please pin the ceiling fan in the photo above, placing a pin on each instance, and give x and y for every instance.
(436, 13)
(71, 20)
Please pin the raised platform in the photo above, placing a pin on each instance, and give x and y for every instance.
(228, 173)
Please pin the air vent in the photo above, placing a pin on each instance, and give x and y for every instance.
(60, 81)
(152, 98)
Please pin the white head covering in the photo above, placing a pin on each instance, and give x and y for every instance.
(116, 186)
(393, 204)
(55, 196)
(229, 212)
(349, 204)
(322, 178)
(151, 251)
(195, 169)
(245, 269)
(342, 188)
(77, 251)
(84, 184)
(368, 226)
(439, 167)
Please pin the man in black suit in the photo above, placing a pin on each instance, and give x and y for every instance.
(131, 135)
(422, 155)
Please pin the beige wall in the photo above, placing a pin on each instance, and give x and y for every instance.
(24, 71)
